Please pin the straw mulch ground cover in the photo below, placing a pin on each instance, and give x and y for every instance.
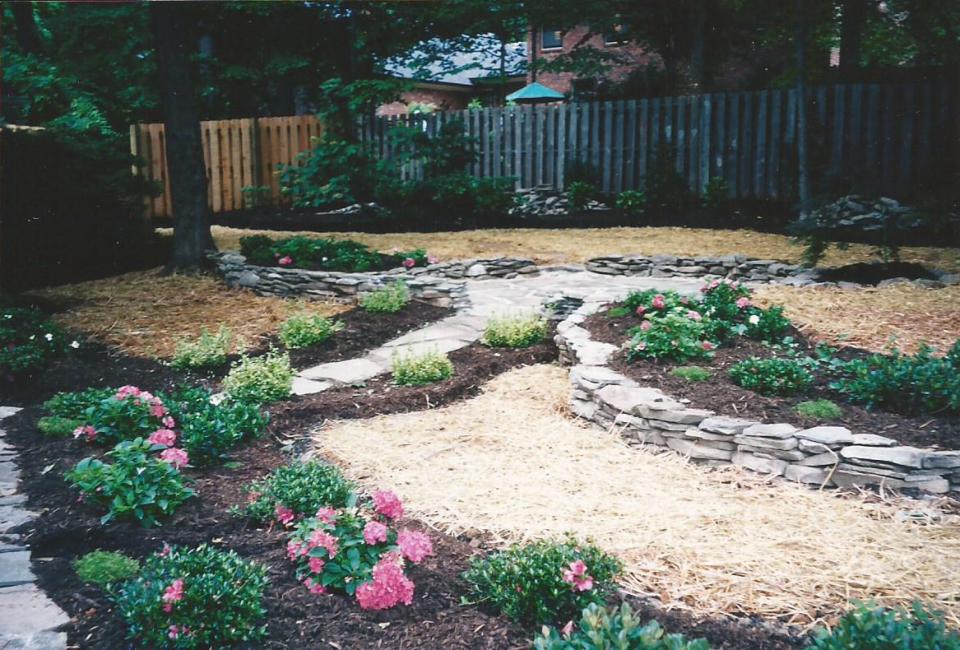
(508, 465)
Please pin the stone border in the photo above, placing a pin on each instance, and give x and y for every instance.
(822, 456)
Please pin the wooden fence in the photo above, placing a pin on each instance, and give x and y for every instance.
(865, 137)
(239, 154)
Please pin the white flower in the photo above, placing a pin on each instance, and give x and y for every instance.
(754, 319)
(75, 345)
(48, 336)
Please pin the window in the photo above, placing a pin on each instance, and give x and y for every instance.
(616, 35)
(551, 38)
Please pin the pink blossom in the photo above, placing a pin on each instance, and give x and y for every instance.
(321, 538)
(286, 260)
(432, 259)
(389, 585)
(316, 564)
(576, 575)
(374, 532)
(743, 303)
(158, 410)
(409, 263)
(387, 504)
(169, 422)
(172, 594)
(414, 545)
(175, 456)
(693, 315)
(293, 550)
(658, 302)
(165, 551)
(85, 431)
(284, 514)
(326, 515)
(127, 391)
(640, 346)
(567, 629)
(707, 345)
(684, 300)
(173, 632)
(315, 587)
(645, 325)
(641, 310)
(147, 397)
(164, 437)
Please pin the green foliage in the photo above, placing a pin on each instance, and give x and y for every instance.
(614, 629)
(304, 329)
(206, 351)
(533, 584)
(909, 384)
(103, 567)
(652, 303)
(207, 430)
(820, 409)
(73, 406)
(517, 331)
(632, 201)
(311, 252)
(58, 427)
(257, 248)
(725, 304)
(447, 152)
(814, 249)
(715, 193)
(870, 627)
(580, 193)
(773, 376)
(333, 174)
(691, 373)
(670, 338)
(618, 312)
(580, 170)
(221, 602)
(123, 416)
(260, 380)
(767, 324)
(136, 485)
(386, 300)
(28, 341)
(418, 369)
(304, 488)
(665, 186)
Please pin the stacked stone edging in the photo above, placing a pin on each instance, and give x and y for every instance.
(823, 456)
(479, 269)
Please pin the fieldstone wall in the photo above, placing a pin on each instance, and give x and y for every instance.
(825, 455)
(476, 269)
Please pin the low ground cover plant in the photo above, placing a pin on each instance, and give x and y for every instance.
(632, 201)
(28, 341)
(139, 483)
(413, 369)
(600, 628)
(821, 409)
(104, 567)
(516, 331)
(194, 598)
(774, 376)
(546, 582)
(298, 490)
(206, 351)
(691, 373)
(386, 300)
(304, 329)
(871, 627)
(260, 380)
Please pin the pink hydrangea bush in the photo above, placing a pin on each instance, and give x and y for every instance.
(127, 414)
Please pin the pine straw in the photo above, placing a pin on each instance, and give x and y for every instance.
(145, 314)
(902, 315)
(510, 466)
(552, 246)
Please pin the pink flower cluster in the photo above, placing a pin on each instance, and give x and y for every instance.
(85, 431)
(173, 594)
(743, 303)
(414, 545)
(286, 260)
(374, 532)
(388, 587)
(165, 437)
(175, 631)
(576, 575)
(658, 302)
(175, 456)
(707, 288)
(409, 263)
(284, 514)
(387, 504)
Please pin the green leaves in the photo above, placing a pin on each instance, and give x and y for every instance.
(870, 627)
(614, 629)
(772, 376)
(259, 380)
(302, 487)
(304, 329)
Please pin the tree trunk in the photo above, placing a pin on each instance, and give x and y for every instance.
(803, 171)
(851, 36)
(699, 26)
(28, 38)
(185, 167)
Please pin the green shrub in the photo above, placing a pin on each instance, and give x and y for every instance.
(726, 305)
(771, 376)
(618, 312)
(386, 300)
(580, 193)
(614, 629)
(260, 380)
(632, 201)
(207, 430)
(124, 414)
(332, 174)
(652, 303)
(544, 582)
(256, 248)
(194, 598)
(73, 406)
(103, 567)
(302, 488)
(670, 338)
(909, 384)
(691, 373)
(418, 369)
(767, 324)
(821, 409)
(518, 331)
(869, 627)
(304, 329)
(28, 341)
(715, 194)
(136, 485)
(58, 427)
(206, 351)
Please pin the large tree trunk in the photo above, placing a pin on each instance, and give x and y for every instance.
(187, 174)
(698, 45)
(28, 37)
(803, 170)
(851, 36)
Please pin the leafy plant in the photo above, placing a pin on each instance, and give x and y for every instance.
(580, 193)
(305, 329)
(260, 380)
(386, 300)
(580, 170)
(691, 373)
(651, 303)
(58, 427)
(126, 414)
(767, 324)
(136, 485)
(773, 376)
(870, 627)
(28, 341)
(518, 331)
(301, 488)
(74, 405)
(206, 351)
(613, 629)
(619, 311)
(194, 598)
(543, 582)
(418, 369)
(715, 193)
(820, 409)
(632, 202)
(103, 567)
(726, 305)
(673, 337)
(332, 174)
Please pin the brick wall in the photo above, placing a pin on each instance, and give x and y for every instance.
(442, 100)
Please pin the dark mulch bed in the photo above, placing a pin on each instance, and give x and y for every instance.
(876, 272)
(720, 394)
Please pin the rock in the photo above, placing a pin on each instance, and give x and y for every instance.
(698, 451)
(594, 377)
(942, 460)
(351, 371)
(677, 416)
(759, 464)
(821, 460)
(902, 456)
(768, 443)
(770, 431)
(813, 447)
(476, 270)
(827, 435)
(585, 410)
(726, 425)
(15, 568)
(248, 279)
(626, 399)
(805, 474)
(873, 440)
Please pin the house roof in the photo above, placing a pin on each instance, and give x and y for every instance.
(535, 92)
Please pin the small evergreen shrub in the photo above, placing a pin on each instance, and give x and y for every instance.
(103, 567)
(767, 324)
(387, 300)
(600, 628)
(820, 409)
(671, 338)
(544, 582)
(870, 627)
(652, 303)
(304, 329)
(518, 331)
(618, 312)
(771, 376)
(207, 431)
(58, 427)
(691, 373)
(194, 598)
(135, 485)
(206, 351)
(580, 193)
(28, 341)
(418, 369)
(260, 380)
(632, 201)
(299, 489)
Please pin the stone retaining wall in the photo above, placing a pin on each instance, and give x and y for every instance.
(826, 455)
(478, 269)
(728, 266)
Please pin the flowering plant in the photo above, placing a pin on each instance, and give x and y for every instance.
(298, 490)
(28, 340)
(676, 337)
(194, 598)
(126, 414)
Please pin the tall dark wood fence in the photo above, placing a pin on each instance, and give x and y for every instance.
(863, 137)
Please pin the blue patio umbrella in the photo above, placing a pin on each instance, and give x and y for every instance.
(535, 93)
